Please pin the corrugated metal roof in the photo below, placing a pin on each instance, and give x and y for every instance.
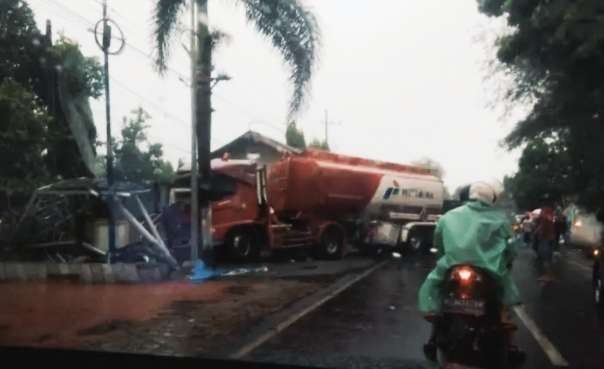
(256, 137)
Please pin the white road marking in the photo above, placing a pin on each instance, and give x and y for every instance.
(245, 350)
(548, 347)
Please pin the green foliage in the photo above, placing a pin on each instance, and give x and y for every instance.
(166, 19)
(31, 68)
(291, 28)
(554, 53)
(135, 158)
(294, 32)
(77, 79)
(294, 136)
(318, 144)
(23, 132)
(84, 75)
(22, 47)
(545, 171)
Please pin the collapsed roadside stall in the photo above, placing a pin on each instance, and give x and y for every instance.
(66, 223)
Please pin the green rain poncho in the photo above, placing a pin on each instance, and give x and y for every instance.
(475, 234)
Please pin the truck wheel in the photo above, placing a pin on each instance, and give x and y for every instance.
(598, 287)
(241, 245)
(332, 244)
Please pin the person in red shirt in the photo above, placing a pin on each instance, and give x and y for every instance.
(546, 234)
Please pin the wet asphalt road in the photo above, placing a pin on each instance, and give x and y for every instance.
(375, 323)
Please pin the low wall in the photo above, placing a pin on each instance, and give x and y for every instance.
(84, 272)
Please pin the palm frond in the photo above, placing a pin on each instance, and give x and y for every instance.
(165, 19)
(294, 32)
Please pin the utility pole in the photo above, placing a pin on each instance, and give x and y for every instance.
(203, 109)
(194, 172)
(326, 129)
(105, 45)
(327, 123)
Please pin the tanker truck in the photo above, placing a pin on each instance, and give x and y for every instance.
(324, 202)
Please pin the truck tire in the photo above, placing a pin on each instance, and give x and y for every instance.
(332, 244)
(241, 245)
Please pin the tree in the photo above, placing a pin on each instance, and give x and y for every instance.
(437, 169)
(135, 158)
(22, 47)
(318, 144)
(74, 80)
(545, 171)
(31, 71)
(23, 133)
(295, 137)
(292, 30)
(553, 52)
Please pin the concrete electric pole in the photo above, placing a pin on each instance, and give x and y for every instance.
(105, 45)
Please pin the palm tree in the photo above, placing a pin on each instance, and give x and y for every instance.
(290, 27)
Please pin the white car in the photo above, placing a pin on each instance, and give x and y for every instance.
(586, 231)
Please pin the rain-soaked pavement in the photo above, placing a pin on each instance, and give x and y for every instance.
(375, 323)
(372, 324)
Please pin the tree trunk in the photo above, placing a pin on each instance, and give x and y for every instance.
(204, 123)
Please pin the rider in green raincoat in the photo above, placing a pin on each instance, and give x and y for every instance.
(476, 233)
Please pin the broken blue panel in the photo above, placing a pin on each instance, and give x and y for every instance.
(201, 272)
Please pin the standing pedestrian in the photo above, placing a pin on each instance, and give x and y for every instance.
(546, 233)
(561, 226)
(527, 229)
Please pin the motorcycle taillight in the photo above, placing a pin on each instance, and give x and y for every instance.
(465, 275)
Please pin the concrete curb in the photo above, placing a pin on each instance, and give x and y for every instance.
(84, 272)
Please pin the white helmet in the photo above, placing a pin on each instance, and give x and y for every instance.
(486, 191)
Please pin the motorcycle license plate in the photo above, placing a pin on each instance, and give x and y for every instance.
(463, 306)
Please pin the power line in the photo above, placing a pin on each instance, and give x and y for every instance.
(153, 103)
(181, 76)
(87, 22)
(78, 15)
(112, 9)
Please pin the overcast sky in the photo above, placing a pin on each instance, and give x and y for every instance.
(401, 79)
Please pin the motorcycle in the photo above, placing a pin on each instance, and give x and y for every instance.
(469, 332)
